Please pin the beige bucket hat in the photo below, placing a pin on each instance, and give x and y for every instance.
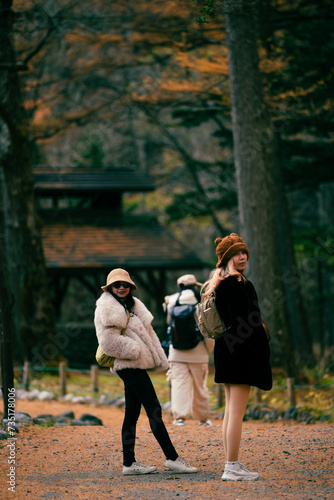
(188, 280)
(118, 275)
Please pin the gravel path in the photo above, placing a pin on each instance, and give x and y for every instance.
(295, 461)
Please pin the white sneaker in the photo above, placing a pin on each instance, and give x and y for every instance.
(207, 422)
(138, 468)
(179, 421)
(180, 465)
(239, 473)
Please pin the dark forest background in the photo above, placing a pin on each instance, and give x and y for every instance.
(227, 106)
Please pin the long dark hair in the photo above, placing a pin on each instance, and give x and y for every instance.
(128, 303)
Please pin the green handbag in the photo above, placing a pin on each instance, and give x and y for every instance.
(102, 358)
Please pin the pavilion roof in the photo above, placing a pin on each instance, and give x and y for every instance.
(80, 243)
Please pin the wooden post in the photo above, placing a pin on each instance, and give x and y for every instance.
(62, 378)
(291, 392)
(94, 378)
(26, 369)
(257, 395)
(219, 395)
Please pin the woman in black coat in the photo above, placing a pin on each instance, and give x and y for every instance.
(242, 354)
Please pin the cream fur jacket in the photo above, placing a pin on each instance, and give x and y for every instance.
(139, 347)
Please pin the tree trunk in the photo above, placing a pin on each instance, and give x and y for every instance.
(291, 279)
(325, 275)
(6, 361)
(254, 161)
(33, 311)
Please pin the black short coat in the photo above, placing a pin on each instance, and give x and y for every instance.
(242, 355)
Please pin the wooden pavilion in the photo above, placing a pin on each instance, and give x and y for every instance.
(86, 233)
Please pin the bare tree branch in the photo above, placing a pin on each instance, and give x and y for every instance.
(39, 46)
(190, 164)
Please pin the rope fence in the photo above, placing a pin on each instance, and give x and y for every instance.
(62, 370)
(95, 372)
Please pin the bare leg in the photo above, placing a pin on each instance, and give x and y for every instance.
(226, 415)
(237, 402)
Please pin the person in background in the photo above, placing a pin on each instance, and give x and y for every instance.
(188, 371)
(136, 352)
(242, 354)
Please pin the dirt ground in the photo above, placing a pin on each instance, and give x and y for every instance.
(295, 461)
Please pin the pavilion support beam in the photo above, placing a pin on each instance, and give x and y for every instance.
(87, 284)
(154, 284)
(60, 290)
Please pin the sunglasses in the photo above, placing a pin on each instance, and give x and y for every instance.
(118, 284)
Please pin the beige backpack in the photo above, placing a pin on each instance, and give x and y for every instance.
(208, 320)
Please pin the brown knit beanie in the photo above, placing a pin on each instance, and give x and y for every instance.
(229, 246)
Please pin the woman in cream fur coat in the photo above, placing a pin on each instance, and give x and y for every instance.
(136, 349)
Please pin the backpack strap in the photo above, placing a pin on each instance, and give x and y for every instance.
(177, 302)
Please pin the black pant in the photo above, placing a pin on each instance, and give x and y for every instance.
(139, 390)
